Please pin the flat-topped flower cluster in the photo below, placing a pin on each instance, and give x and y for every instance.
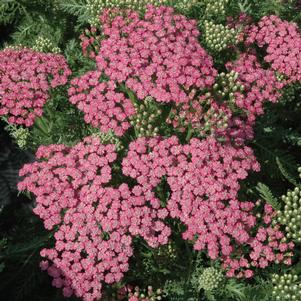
(97, 222)
(93, 214)
(26, 78)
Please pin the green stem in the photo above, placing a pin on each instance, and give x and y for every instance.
(189, 133)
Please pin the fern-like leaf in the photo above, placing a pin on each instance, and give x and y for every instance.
(266, 194)
(286, 173)
(235, 290)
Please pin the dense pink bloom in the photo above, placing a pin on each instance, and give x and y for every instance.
(203, 177)
(260, 85)
(94, 217)
(95, 224)
(265, 248)
(26, 77)
(155, 56)
(104, 107)
(92, 245)
(63, 173)
(282, 41)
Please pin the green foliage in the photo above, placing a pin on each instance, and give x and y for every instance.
(61, 123)
(285, 172)
(77, 8)
(10, 10)
(267, 195)
(47, 25)
(260, 289)
(10, 163)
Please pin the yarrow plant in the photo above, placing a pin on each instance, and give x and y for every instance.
(162, 154)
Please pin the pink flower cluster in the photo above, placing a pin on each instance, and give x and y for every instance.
(260, 85)
(203, 177)
(155, 56)
(62, 173)
(282, 41)
(91, 246)
(158, 56)
(104, 107)
(95, 223)
(265, 248)
(26, 77)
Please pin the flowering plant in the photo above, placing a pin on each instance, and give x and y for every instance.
(148, 149)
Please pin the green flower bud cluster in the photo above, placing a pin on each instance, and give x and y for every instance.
(19, 134)
(213, 119)
(289, 95)
(95, 7)
(200, 115)
(280, 77)
(146, 117)
(45, 45)
(211, 279)
(227, 85)
(299, 171)
(109, 138)
(167, 252)
(184, 6)
(218, 36)
(291, 216)
(215, 7)
(147, 295)
(286, 287)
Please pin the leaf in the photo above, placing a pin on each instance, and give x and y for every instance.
(287, 175)
(244, 6)
(235, 290)
(266, 194)
(74, 7)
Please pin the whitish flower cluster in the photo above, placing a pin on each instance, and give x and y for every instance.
(109, 138)
(286, 287)
(211, 279)
(214, 119)
(19, 134)
(227, 85)
(218, 36)
(184, 6)
(14, 47)
(95, 7)
(43, 44)
(145, 120)
(291, 216)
